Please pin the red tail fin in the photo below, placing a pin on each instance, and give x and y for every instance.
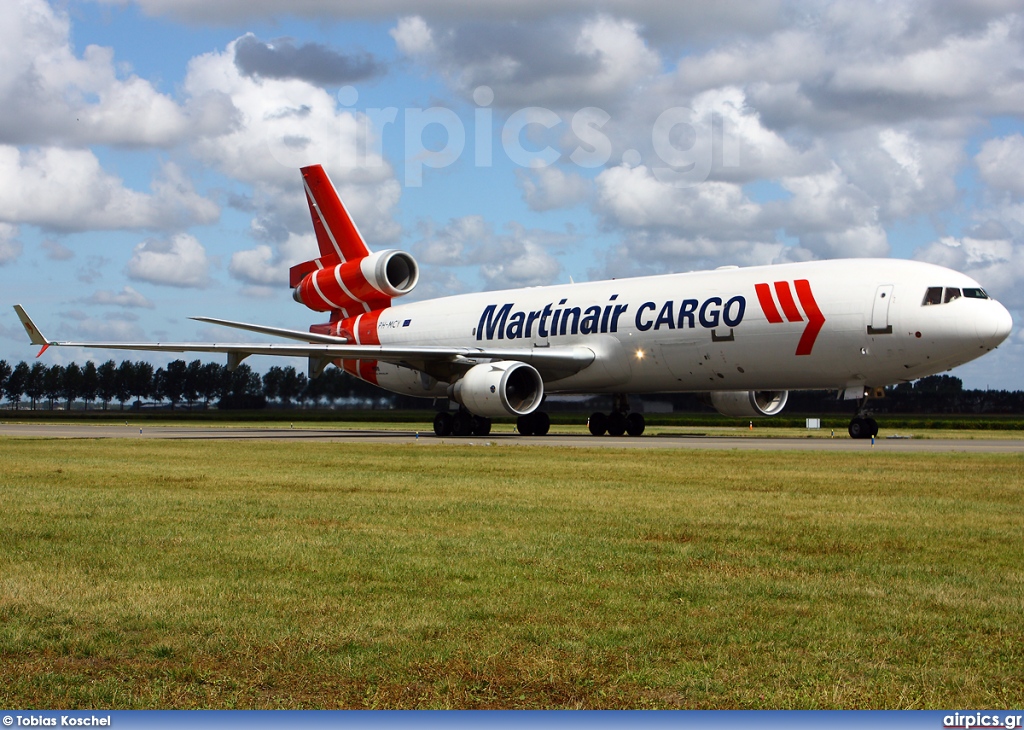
(336, 233)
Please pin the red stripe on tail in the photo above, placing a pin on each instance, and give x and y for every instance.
(336, 234)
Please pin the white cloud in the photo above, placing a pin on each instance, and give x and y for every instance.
(68, 190)
(957, 68)
(265, 269)
(589, 61)
(414, 37)
(1000, 163)
(550, 188)
(525, 263)
(522, 257)
(180, 261)
(10, 246)
(279, 125)
(127, 297)
(636, 198)
(48, 95)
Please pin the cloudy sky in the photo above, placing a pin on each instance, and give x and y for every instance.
(149, 148)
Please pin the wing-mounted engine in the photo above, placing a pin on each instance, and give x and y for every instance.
(747, 403)
(498, 389)
(361, 285)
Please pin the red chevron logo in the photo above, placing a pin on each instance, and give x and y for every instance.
(815, 319)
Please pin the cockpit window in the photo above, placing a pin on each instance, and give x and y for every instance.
(933, 296)
(975, 294)
(952, 293)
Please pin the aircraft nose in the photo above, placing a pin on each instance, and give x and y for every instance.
(995, 326)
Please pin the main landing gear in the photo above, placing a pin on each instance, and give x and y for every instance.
(534, 424)
(618, 422)
(464, 423)
(461, 423)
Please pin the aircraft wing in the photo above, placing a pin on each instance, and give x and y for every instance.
(552, 362)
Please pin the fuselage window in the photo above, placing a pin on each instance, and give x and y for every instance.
(952, 293)
(975, 294)
(934, 295)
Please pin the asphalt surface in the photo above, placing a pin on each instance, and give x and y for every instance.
(843, 443)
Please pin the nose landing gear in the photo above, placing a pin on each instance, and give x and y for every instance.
(863, 427)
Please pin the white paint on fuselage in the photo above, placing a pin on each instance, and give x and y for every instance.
(642, 355)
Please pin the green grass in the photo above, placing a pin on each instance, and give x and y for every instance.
(233, 574)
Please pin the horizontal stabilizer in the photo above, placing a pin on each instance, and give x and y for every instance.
(275, 331)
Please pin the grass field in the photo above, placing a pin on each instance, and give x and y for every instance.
(231, 574)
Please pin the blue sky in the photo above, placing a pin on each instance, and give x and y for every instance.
(148, 148)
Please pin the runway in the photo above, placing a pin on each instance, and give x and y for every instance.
(426, 438)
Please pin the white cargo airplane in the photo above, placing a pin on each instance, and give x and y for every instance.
(746, 336)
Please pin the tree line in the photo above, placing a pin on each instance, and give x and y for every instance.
(188, 385)
(180, 384)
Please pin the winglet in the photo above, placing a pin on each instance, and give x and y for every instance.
(34, 335)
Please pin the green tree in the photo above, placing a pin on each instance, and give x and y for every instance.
(292, 384)
(53, 383)
(35, 386)
(90, 383)
(72, 383)
(193, 378)
(15, 385)
(125, 382)
(169, 382)
(211, 379)
(5, 372)
(107, 389)
(142, 380)
(272, 382)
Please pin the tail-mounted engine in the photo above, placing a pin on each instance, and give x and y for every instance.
(363, 284)
(498, 389)
(747, 403)
(347, 279)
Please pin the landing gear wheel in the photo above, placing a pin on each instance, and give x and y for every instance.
(443, 424)
(462, 424)
(597, 424)
(635, 424)
(481, 426)
(616, 423)
(533, 424)
(863, 428)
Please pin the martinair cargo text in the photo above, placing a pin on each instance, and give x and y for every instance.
(746, 336)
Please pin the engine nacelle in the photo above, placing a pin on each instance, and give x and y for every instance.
(371, 280)
(498, 389)
(747, 403)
